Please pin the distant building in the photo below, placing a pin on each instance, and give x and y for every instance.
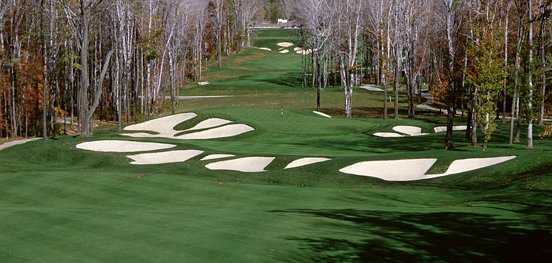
(282, 21)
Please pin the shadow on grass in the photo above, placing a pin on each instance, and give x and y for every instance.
(291, 79)
(373, 144)
(375, 236)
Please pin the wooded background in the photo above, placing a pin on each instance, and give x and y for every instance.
(65, 61)
(87, 60)
(484, 59)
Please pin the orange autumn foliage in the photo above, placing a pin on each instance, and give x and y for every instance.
(439, 89)
(31, 82)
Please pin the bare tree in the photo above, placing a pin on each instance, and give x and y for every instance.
(348, 31)
(81, 15)
(516, 120)
(218, 18)
(543, 17)
(452, 18)
(530, 78)
(318, 19)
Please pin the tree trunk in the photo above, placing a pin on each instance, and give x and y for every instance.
(84, 78)
(316, 73)
(45, 76)
(474, 118)
(514, 135)
(530, 79)
(506, 38)
(381, 72)
(396, 89)
(543, 61)
(451, 89)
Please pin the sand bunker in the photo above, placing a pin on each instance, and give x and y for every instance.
(264, 48)
(209, 123)
(285, 51)
(204, 83)
(116, 146)
(441, 129)
(322, 114)
(16, 142)
(164, 127)
(416, 169)
(371, 87)
(246, 165)
(388, 135)
(301, 51)
(286, 44)
(305, 161)
(468, 165)
(304, 52)
(428, 108)
(409, 130)
(216, 157)
(220, 132)
(398, 170)
(164, 157)
(402, 131)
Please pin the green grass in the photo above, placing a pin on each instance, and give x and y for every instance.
(60, 204)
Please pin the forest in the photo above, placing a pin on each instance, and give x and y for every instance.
(68, 63)
(73, 63)
(487, 60)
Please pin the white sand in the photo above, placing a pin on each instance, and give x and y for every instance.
(322, 114)
(164, 157)
(428, 107)
(413, 170)
(123, 146)
(441, 129)
(305, 161)
(398, 170)
(402, 131)
(216, 157)
(304, 52)
(286, 44)
(204, 83)
(388, 135)
(264, 48)
(220, 132)
(246, 165)
(419, 134)
(209, 123)
(164, 127)
(297, 49)
(408, 130)
(371, 87)
(16, 142)
(468, 165)
(285, 51)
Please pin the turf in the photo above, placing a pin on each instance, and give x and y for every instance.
(60, 204)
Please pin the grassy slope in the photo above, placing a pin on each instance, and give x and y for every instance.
(63, 205)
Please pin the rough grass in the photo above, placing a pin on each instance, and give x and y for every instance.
(60, 204)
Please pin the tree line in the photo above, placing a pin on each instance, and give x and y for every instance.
(118, 60)
(483, 59)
